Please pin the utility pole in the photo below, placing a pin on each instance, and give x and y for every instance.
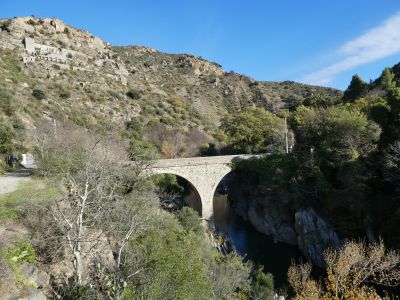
(312, 155)
(286, 137)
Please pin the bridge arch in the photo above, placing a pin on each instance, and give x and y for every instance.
(203, 173)
(220, 179)
(198, 205)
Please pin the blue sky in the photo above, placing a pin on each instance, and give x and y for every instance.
(314, 41)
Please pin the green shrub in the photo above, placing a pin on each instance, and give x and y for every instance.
(38, 94)
(21, 252)
(268, 167)
(133, 94)
(7, 135)
(6, 102)
(143, 150)
(65, 94)
(208, 149)
(174, 267)
(61, 44)
(5, 26)
(190, 220)
(168, 183)
(128, 293)
(77, 292)
(262, 284)
(31, 22)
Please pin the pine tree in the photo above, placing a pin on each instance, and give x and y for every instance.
(387, 79)
(357, 89)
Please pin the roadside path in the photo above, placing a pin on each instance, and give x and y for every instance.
(10, 182)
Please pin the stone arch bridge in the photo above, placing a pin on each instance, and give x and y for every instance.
(203, 173)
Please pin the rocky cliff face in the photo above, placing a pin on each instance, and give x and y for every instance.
(314, 235)
(269, 215)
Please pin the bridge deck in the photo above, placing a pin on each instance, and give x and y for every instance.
(204, 160)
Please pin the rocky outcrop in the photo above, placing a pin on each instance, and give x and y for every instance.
(314, 236)
(29, 293)
(33, 276)
(26, 281)
(269, 222)
(96, 251)
(309, 231)
(270, 215)
(258, 206)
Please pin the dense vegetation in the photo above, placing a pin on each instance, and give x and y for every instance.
(345, 159)
(345, 163)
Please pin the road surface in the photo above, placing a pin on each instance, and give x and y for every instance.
(10, 182)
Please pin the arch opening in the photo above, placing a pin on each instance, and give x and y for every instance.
(222, 209)
(175, 192)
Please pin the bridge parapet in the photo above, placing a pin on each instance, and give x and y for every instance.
(206, 160)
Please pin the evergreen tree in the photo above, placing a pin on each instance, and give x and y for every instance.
(387, 79)
(357, 89)
(253, 130)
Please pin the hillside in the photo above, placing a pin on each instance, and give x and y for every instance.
(93, 84)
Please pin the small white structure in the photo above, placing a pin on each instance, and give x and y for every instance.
(27, 161)
(28, 59)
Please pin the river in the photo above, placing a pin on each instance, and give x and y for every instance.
(276, 257)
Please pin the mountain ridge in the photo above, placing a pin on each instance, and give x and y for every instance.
(96, 85)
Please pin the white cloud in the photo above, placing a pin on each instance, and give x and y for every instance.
(375, 44)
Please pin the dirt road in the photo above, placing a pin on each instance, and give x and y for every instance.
(11, 181)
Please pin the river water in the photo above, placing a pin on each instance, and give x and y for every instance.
(276, 257)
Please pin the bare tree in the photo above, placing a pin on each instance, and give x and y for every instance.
(170, 142)
(101, 193)
(302, 284)
(91, 184)
(129, 220)
(358, 263)
(350, 270)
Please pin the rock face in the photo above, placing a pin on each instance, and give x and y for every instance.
(270, 215)
(269, 222)
(258, 205)
(97, 251)
(33, 276)
(314, 236)
(29, 281)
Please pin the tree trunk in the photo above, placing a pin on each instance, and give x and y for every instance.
(117, 275)
(78, 267)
